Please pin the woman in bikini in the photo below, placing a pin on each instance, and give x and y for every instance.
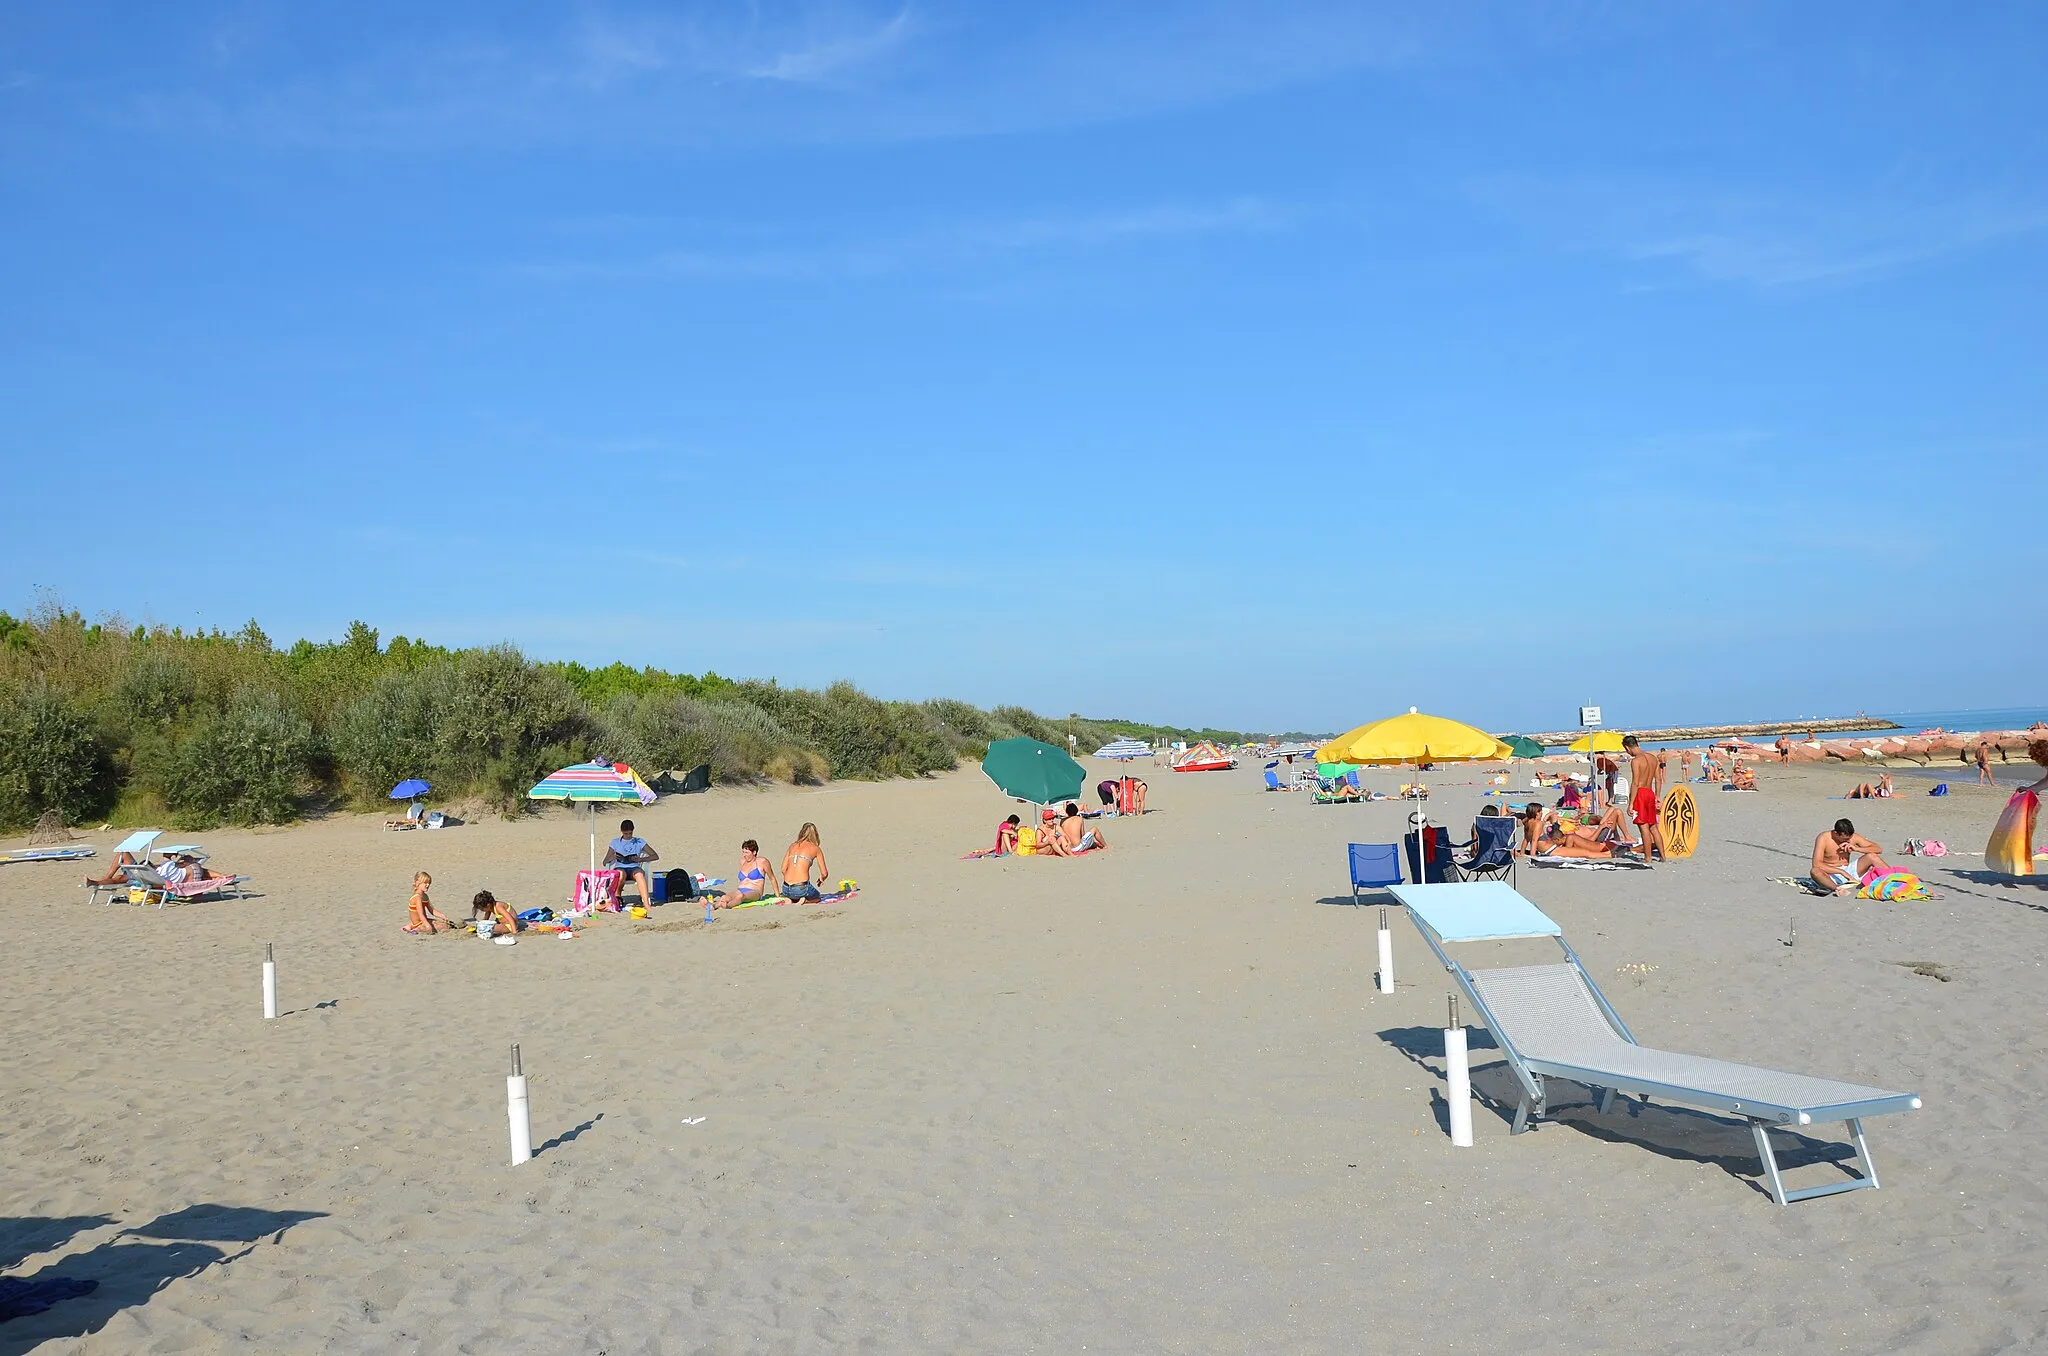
(754, 880)
(805, 855)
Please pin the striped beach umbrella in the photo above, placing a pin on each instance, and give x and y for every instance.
(590, 783)
(1125, 748)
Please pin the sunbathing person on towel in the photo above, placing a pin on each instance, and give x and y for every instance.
(754, 878)
(1073, 836)
(1835, 866)
(1006, 839)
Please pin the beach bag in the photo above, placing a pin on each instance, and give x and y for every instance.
(1940, 789)
(678, 884)
(542, 915)
(2011, 849)
(1027, 842)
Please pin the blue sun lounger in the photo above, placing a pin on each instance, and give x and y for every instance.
(1552, 1021)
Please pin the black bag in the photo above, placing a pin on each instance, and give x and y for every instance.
(681, 885)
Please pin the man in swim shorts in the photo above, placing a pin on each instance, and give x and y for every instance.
(1835, 867)
(1646, 783)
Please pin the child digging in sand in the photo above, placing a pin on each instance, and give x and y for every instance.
(488, 905)
(424, 918)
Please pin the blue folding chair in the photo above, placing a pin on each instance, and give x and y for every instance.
(1273, 781)
(1374, 866)
(1493, 848)
(1439, 869)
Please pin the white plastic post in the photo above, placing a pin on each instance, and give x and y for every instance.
(515, 1112)
(1386, 955)
(1458, 1069)
(269, 980)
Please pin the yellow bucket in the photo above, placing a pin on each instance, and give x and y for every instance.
(637, 911)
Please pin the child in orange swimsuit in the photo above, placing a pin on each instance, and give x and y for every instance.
(424, 917)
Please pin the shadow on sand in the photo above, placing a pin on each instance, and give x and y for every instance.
(76, 1296)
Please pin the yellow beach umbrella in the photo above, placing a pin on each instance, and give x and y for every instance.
(1592, 743)
(1413, 738)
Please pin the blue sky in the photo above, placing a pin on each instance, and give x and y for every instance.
(1271, 366)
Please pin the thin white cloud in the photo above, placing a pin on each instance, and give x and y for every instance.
(834, 57)
(1680, 234)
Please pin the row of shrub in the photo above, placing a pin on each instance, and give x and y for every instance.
(104, 719)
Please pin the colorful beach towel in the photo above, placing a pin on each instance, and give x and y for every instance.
(2011, 849)
(1893, 885)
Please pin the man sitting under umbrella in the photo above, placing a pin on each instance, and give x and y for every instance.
(627, 855)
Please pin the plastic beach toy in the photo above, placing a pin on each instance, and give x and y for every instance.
(505, 941)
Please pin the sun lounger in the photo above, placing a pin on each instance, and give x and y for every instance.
(414, 817)
(1552, 1021)
(1374, 866)
(136, 845)
(152, 883)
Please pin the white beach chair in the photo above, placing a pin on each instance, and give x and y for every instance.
(1552, 1021)
(136, 845)
(151, 882)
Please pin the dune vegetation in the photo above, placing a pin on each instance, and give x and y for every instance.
(107, 720)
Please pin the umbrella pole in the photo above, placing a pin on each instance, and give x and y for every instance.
(593, 835)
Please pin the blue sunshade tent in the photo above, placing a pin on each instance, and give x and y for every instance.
(410, 788)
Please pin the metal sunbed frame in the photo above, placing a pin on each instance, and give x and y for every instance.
(1552, 1021)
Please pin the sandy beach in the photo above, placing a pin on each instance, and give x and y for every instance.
(1146, 1101)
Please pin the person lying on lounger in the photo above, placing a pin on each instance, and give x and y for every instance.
(1597, 839)
(186, 869)
(753, 879)
(1836, 853)
(421, 915)
(114, 875)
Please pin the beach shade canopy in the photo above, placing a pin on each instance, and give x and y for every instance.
(1032, 770)
(1521, 746)
(409, 788)
(1413, 738)
(1598, 741)
(1125, 748)
(590, 783)
(1291, 750)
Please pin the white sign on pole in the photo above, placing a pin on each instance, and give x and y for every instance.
(1589, 718)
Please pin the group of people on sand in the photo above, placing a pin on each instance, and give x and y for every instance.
(423, 918)
(1605, 832)
(1057, 834)
(756, 880)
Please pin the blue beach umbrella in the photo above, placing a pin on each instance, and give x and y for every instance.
(410, 788)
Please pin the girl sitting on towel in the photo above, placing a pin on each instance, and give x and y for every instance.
(423, 917)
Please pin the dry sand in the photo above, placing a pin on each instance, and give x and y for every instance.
(1142, 1102)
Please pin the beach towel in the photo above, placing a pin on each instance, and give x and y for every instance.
(1801, 884)
(1926, 847)
(1592, 863)
(2011, 849)
(69, 854)
(1892, 885)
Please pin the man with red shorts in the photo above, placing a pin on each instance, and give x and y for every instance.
(1646, 794)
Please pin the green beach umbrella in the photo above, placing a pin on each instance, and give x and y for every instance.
(1521, 746)
(1032, 770)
